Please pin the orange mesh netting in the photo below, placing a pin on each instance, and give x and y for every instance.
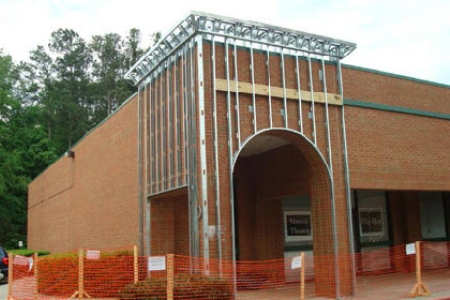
(386, 273)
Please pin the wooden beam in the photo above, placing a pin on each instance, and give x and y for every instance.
(278, 92)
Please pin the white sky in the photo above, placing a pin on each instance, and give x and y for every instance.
(405, 37)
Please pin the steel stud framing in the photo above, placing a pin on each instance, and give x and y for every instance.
(176, 145)
(248, 31)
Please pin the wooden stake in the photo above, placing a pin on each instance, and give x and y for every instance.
(36, 276)
(420, 288)
(136, 269)
(10, 275)
(302, 276)
(170, 274)
(80, 293)
(80, 274)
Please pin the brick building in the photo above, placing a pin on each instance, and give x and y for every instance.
(248, 141)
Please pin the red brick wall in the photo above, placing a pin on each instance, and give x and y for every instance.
(395, 151)
(366, 85)
(386, 150)
(268, 237)
(90, 201)
(262, 112)
(170, 223)
(260, 189)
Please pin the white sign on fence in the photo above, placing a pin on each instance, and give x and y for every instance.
(93, 254)
(156, 263)
(30, 261)
(296, 262)
(20, 260)
(410, 248)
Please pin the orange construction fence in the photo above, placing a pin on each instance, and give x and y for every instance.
(418, 269)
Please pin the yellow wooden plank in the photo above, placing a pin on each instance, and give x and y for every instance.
(278, 92)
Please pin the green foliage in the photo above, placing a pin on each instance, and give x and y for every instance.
(185, 287)
(117, 253)
(28, 252)
(24, 152)
(49, 103)
(109, 89)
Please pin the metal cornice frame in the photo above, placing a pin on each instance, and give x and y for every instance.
(246, 31)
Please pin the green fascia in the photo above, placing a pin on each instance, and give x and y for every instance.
(398, 109)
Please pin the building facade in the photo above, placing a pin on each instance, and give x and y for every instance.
(248, 141)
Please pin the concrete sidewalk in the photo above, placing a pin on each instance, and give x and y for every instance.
(386, 287)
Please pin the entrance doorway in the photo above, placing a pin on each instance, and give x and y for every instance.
(272, 167)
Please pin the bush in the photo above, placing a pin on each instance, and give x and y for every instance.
(185, 287)
(28, 252)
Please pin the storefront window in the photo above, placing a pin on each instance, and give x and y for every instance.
(432, 215)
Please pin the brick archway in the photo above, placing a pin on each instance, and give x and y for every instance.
(260, 182)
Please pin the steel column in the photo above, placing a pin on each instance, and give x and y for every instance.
(269, 88)
(161, 133)
(300, 111)
(192, 104)
(333, 196)
(193, 144)
(184, 109)
(203, 162)
(152, 154)
(146, 151)
(327, 119)
(169, 128)
(351, 234)
(151, 133)
(236, 79)
(140, 173)
(177, 132)
(165, 112)
(216, 159)
(252, 67)
(230, 165)
(146, 211)
(190, 153)
(313, 109)
(156, 137)
(283, 80)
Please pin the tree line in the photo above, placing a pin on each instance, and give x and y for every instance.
(49, 102)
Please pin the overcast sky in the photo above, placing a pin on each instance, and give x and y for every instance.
(405, 37)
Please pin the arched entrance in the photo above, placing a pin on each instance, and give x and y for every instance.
(279, 173)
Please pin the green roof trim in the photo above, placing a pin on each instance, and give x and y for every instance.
(398, 109)
(396, 76)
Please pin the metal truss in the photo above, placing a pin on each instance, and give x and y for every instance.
(213, 26)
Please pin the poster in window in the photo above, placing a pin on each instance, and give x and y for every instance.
(371, 222)
(298, 226)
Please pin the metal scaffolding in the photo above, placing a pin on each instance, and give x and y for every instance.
(172, 75)
(245, 31)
